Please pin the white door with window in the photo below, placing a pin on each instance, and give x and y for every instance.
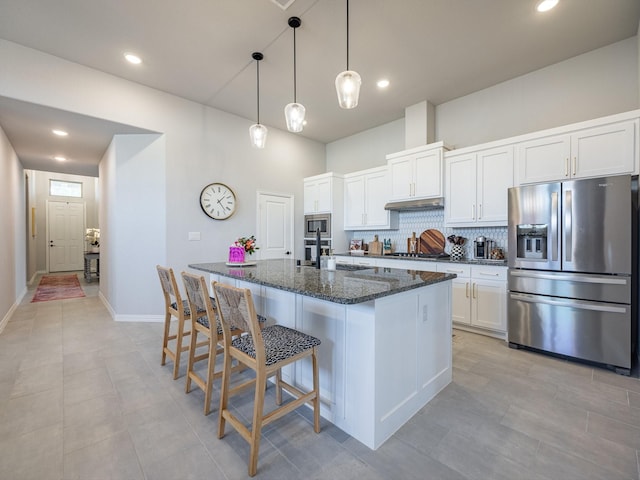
(65, 246)
(275, 225)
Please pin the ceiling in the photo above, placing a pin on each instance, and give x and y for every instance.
(434, 50)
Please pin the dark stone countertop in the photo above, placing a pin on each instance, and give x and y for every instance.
(469, 261)
(347, 285)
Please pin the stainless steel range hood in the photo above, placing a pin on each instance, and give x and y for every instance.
(415, 205)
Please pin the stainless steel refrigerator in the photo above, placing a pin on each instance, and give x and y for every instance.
(572, 255)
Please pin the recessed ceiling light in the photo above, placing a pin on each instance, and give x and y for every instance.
(60, 158)
(546, 5)
(133, 58)
(60, 133)
(384, 83)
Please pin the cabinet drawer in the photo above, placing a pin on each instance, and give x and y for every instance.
(481, 272)
(344, 260)
(460, 269)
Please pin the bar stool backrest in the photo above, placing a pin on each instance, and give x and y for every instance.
(198, 296)
(236, 309)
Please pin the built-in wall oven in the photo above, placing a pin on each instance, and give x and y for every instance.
(573, 269)
(318, 221)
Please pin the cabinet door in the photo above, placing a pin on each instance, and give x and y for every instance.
(544, 159)
(324, 195)
(489, 304)
(376, 196)
(428, 174)
(494, 177)
(310, 196)
(460, 301)
(460, 204)
(606, 150)
(401, 172)
(354, 198)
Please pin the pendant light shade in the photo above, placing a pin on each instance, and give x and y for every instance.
(258, 132)
(294, 112)
(348, 82)
(348, 88)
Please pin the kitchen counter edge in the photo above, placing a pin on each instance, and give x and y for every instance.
(221, 269)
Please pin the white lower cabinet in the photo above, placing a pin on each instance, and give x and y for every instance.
(479, 297)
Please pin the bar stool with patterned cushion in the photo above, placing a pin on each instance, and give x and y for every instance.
(264, 350)
(175, 307)
(200, 301)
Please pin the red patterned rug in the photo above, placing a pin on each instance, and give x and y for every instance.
(58, 287)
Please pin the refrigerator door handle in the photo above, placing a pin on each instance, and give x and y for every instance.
(572, 277)
(568, 228)
(554, 226)
(580, 305)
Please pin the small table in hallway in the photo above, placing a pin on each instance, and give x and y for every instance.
(88, 274)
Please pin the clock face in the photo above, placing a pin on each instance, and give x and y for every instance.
(218, 201)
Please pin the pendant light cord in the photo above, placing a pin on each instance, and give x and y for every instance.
(295, 93)
(347, 34)
(258, 88)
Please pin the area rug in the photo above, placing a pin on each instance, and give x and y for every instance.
(58, 287)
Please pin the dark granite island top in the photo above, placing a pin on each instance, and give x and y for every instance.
(346, 285)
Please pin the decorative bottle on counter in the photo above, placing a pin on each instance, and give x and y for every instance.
(236, 254)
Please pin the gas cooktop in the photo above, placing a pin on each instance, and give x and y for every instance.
(420, 255)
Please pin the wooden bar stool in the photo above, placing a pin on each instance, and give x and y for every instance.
(175, 307)
(264, 350)
(205, 323)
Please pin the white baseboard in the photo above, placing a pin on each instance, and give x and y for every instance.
(35, 275)
(130, 318)
(5, 320)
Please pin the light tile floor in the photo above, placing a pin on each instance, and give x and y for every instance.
(84, 397)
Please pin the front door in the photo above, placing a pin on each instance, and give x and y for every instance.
(275, 225)
(66, 236)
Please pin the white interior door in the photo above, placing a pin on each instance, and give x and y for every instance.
(65, 222)
(275, 225)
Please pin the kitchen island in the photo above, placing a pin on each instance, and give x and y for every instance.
(386, 336)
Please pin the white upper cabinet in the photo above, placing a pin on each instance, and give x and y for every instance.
(591, 152)
(318, 192)
(476, 187)
(416, 173)
(366, 193)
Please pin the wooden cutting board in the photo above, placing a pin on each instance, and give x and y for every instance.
(432, 242)
(375, 246)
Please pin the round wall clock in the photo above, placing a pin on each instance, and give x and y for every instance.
(218, 201)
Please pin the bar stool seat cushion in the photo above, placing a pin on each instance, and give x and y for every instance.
(205, 321)
(185, 307)
(280, 343)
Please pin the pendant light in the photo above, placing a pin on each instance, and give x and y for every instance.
(294, 112)
(258, 132)
(348, 82)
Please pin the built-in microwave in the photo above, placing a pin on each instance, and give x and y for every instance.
(317, 221)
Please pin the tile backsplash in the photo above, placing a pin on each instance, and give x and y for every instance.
(419, 221)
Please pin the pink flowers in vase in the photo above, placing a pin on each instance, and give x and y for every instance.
(249, 244)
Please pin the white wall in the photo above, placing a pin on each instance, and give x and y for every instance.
(201, 145)
(13, 227)
(136, 237)
(595, 84)
(365, 149)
